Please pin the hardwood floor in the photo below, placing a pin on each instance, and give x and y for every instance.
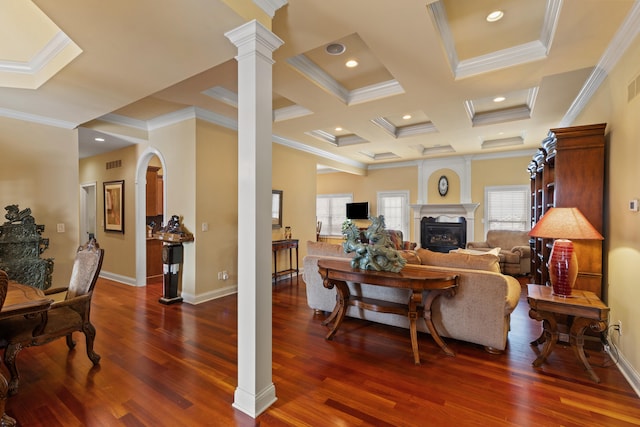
(176, 365)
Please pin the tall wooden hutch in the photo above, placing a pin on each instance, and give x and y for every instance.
(569, 171)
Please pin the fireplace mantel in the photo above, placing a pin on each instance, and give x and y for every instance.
(465, 210)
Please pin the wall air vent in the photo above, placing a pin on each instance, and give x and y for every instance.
(114, 164)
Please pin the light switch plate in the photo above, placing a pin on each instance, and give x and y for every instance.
(633, 205)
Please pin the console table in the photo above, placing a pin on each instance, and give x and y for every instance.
(338, 272)
(586, 309)
(281, 245)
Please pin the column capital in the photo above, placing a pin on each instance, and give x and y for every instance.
(253, 36)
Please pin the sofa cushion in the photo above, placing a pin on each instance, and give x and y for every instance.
(507, 238)
(487, 262)
(327, 249)
(494, 251)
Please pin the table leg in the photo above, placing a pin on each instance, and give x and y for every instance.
(550, 331)
(342, 302)
(576, 339)
(6, 420)
(414, 300)
(275, 267)
(431, 297)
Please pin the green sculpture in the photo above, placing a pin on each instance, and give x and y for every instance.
(21, 244)
(373, 252)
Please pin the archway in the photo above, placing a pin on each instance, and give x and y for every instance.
(141, 208)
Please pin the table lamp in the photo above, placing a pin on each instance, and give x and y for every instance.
(563, 224)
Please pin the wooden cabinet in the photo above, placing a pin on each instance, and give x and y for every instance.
(154, 191)
(569, 171)
(154, 258)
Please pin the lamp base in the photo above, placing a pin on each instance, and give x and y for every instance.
(563, 267)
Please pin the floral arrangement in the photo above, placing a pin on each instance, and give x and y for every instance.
(376, 252)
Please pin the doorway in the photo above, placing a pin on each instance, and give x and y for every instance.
(154, 218)
(88, 208)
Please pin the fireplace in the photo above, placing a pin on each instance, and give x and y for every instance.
(442, 234)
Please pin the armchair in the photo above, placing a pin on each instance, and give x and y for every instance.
(69, 313)
(515, 252)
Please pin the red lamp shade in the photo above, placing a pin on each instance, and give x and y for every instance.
(563, 224)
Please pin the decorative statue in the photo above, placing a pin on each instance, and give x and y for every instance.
(14, 215)
(173, 231)
(377, 253)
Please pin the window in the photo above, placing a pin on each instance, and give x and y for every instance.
(331, 209)
(394, 205)
(507, 208)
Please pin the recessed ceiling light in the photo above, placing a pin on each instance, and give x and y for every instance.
(99, 139)
(338, 129)
(335, 49)
(499, 99)
(351, 63)
(494, 16)
(406, 116)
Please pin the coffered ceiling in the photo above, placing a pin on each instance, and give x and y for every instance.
(434, 78)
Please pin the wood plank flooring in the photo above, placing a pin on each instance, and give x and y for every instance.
(176, 365)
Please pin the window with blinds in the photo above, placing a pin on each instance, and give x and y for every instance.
(507, 208)
(331, 209)
(394, 205)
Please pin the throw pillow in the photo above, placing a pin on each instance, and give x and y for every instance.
(487, 262)
(494, 251)
(411, 257)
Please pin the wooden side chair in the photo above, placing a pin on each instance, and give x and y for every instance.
(69, 313)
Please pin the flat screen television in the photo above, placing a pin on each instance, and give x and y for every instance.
(358, 210)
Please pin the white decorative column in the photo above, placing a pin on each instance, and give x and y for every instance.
(255, 43)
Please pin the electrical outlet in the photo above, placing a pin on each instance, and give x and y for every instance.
(620, 327)
(225, 275)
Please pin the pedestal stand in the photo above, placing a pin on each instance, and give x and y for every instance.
(172, 258)
(172, 237)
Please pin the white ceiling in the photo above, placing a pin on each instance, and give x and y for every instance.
(121, 68)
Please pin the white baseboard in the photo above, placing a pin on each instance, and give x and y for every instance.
(208, 296)
(131, 281)
(627, 370)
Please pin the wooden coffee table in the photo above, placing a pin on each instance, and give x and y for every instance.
(417, 279)
(586, 310)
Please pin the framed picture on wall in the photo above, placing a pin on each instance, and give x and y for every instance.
(114, 206)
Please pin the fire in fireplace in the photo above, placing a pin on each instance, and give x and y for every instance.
(443, 234)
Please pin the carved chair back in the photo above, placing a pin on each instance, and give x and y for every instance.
(86, 269)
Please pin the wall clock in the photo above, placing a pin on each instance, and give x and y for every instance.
(443, 185)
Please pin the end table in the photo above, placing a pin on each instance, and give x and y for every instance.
(586, 309)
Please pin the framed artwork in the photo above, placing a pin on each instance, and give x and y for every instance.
(276, 208)
(114, 206)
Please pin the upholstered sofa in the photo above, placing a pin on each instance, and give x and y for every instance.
(479, 313)
(514, 250)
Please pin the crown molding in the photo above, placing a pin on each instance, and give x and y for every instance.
(309, 69)
(223, 95)
(291, 112)
(317, 152)
(527, 52)
(625, 35)
(34, 118)
(270, 6)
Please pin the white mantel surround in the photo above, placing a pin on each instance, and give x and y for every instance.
(435, 210)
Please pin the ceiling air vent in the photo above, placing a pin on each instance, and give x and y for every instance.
(114, 164)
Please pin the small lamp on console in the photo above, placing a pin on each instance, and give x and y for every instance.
(563, 224)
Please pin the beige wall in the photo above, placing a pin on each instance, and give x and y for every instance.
(484, 172)
(495, 172)
(39, 170)
(622, 232)
(217, 205)
(119, 248)
(294, 172)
